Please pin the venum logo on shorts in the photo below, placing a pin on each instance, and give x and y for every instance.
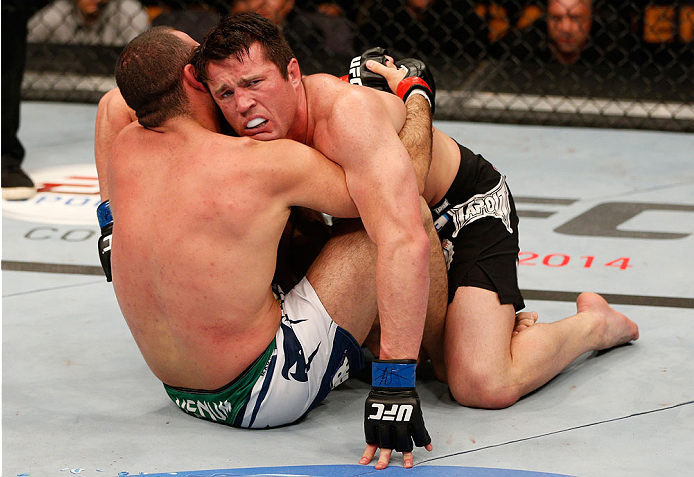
(397, 412)
(341, 374)
(214, 411)
(494, 203)
(294, 353)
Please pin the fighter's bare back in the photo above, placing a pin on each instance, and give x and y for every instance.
(210, 312)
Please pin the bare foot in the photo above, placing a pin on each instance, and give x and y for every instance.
(524, 320)
(615, 329)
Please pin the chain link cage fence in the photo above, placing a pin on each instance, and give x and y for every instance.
(625, 64)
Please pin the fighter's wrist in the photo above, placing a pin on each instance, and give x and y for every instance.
(395, 373)
(103, 213)
(418, 92)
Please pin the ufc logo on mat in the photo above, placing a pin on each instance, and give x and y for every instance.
(401, 412)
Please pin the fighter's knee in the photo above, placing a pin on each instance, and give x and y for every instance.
(482, 391)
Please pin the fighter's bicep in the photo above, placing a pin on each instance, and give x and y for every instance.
(383, 192)
(378, 169)
(359, 127)
(317, 182)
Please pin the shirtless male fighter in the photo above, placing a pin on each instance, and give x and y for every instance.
(195, 286)
(256, 72)
(488, 362)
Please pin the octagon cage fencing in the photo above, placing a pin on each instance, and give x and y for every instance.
(623, 64)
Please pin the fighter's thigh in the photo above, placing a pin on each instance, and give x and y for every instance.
(477, 341)
(438, 275)
(432, 340)
(344, 277)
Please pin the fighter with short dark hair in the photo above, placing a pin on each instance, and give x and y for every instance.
(491, 357)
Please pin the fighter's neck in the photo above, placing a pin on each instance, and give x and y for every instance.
(304, 123)
(198, 116)
(206, 114)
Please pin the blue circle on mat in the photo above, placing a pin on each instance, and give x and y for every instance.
(359, 470)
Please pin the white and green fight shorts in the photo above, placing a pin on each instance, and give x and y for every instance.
(309, 356)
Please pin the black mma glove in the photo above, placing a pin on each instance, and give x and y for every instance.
(418, 78)
(361, 75)
(103, 212)
(393, 413)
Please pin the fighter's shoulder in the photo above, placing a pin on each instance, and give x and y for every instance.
(327, 92)
(342, 103)
(360, 98)
(321, 81)
(128, 136)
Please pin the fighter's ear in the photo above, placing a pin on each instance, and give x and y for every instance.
(189, 76)
(293, 71)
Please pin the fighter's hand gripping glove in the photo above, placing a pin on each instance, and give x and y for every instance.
(417, 79)
(393, 413)
(361, 75)
(103, 212)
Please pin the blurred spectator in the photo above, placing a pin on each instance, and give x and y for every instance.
(320, 41)
(195, 20)
(16, 184)
(425, 29)
(563, 32)
(336, 8)
(92, 22)
(275, 10)
(569, 24)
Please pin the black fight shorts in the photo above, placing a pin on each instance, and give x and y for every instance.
(478, 226)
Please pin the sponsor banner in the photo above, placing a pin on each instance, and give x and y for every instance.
(66, 195)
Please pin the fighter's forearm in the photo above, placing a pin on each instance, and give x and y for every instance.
(402, 305)
(416, 134)
(112, 116)
(393, 221)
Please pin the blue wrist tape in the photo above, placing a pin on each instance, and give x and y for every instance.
(393, 374)
(103, 212)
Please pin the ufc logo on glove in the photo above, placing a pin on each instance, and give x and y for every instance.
(397, 412)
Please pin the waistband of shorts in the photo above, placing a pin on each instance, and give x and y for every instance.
(475, 175)
(223, 404)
